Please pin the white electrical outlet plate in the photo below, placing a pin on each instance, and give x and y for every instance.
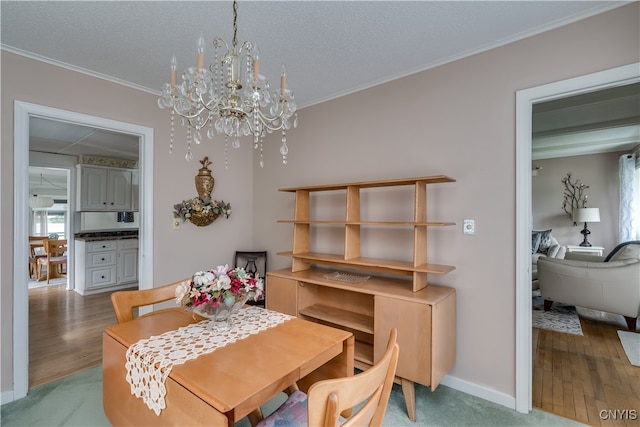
(176, 223)
(469, 227)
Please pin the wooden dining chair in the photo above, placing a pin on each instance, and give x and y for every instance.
(124, 302)
(327, 399)
(55, 260)
(36, 250)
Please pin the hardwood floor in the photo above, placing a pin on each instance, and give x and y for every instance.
(586, 378)
(65, 332)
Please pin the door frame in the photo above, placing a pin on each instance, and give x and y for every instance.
(525, 99)
(22, 113)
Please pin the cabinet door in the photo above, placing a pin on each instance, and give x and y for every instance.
(119, 190)
(281, 295)
(413, 321)
(93, 189)
(135, 190)
(127, 265)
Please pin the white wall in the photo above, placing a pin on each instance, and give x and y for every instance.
(600, 173)
(459, 120)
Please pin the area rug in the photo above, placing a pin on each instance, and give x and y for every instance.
(631, 344)
(33, 284)
(561, 318)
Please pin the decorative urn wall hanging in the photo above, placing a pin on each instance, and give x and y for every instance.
(202, 210)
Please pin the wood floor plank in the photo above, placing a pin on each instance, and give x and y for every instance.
(579, 400)
(589, 374)
(65, 332)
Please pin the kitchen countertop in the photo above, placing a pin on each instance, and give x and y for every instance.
(92, 236)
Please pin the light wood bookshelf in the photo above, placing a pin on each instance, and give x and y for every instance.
(417, 268)
(425, 315)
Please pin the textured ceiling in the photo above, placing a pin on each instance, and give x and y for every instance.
(331, 47)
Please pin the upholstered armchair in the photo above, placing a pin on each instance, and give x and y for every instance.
(611, 284)
(543, 244)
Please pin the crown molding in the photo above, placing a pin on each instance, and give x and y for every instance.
(77, 69)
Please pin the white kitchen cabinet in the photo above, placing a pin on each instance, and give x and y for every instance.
(105, 265)
(127, 261)
(104, 189)
(135, 190)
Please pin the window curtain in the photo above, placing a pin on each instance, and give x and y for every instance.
(39, 222)
(628, 221)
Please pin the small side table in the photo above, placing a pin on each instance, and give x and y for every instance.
(594, 250)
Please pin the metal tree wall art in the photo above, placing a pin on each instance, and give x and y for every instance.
(574, 196)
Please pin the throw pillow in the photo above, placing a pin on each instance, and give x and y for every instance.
(535, 241)
(545, 241)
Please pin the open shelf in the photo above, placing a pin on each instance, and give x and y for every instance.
(434, 179)
(380, 223)
(417, 268)
(364, 353)
(376, 264)
(347, 319)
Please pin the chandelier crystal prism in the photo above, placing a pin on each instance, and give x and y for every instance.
(230, 98)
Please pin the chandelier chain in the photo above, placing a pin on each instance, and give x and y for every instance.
(235, 24)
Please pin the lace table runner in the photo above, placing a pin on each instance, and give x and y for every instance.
(150, 360)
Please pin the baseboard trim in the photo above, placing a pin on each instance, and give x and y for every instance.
(479, 391)
(6, 397)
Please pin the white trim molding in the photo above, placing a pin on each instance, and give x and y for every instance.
(525, 99)
(22, 113)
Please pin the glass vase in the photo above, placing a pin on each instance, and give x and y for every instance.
(221, 316)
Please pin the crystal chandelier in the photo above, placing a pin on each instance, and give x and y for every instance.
(230, 98)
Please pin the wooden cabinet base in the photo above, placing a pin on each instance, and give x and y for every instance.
(409, 393)
(425, 321)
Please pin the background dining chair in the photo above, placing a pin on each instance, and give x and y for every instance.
(55, 260)
(253, 262)
(124, 302)
(36, 250)
(327, 399)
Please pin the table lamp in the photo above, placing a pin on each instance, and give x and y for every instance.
(586, 215)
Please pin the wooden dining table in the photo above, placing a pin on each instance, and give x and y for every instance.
(221, 387)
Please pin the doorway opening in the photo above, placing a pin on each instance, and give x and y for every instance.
(525, 99)
(23, 112)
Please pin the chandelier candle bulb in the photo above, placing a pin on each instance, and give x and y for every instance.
(201, 52)
(283, 78)
(256, 67)
(174, 66)
(235, 71)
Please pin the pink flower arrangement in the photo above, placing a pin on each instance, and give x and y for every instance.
(213, 287)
